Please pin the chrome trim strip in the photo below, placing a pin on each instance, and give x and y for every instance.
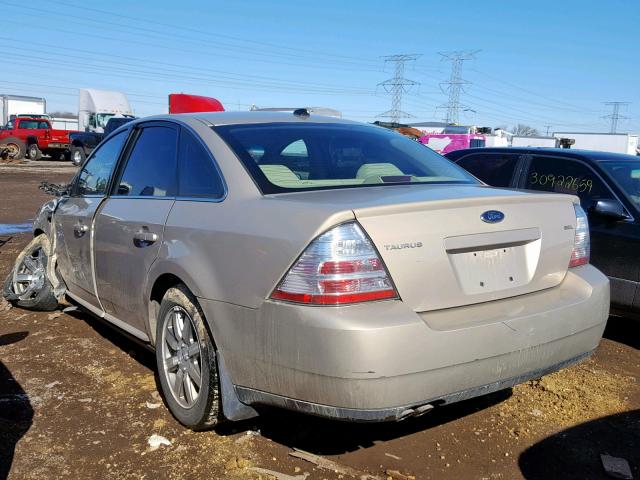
(201, 199)
(126, 327)
(92, 308)
(139, 197)
(110, 318)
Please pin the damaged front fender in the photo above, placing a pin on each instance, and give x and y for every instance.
(44, 218)
(44, 223)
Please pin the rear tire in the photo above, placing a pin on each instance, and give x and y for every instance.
(33, 152)
(186, 361)
(77, 156)
(27, 285)
(15, 148)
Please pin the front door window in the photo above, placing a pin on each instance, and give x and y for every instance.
(94, 176)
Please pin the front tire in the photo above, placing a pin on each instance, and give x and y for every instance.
(14, 148)
(27, 285)
(186, 361)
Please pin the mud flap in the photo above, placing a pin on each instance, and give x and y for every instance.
(232, 408)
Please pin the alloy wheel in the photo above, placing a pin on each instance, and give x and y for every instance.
(182, 356)
(29, 276)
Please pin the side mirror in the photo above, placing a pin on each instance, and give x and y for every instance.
(611, 209)
(57, 189)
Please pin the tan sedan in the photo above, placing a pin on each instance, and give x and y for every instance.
(314, 264)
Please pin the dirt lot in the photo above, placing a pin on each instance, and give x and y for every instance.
(77, 400)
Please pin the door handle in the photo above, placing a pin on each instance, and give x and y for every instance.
(80, 229)
(144, 238)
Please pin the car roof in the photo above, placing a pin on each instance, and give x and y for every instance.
(247, 117)
(589, 155)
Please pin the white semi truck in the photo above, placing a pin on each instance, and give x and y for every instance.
(603, 142)
(96, 107)
(14, 105)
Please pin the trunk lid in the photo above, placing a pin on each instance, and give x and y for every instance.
(441, 254)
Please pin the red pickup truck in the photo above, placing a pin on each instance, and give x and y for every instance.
(31, 138)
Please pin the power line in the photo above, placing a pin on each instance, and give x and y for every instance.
(181, 70)
(530, 92)
(137, 20)
(248, 51)
(398, 85)
(614, 116)
(455, 82)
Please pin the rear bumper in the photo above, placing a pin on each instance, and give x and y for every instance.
(57, 146)
(256, 397)
(372, 362)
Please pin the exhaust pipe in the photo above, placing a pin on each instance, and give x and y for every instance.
(415, 412)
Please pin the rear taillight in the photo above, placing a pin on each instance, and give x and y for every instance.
(582, 242)
(340, 266)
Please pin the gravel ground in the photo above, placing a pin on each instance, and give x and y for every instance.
(78, 400)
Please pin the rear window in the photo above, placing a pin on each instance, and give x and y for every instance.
(33, 124)
(286, 157)
(495, 169)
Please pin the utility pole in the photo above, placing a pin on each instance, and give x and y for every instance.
(398, 85)
(615, 114)
(455, 82)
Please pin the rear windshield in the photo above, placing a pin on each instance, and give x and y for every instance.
(33, 124)
(285, 157)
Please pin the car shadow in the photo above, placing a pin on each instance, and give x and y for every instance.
(4, 240)
(135, 348)
(16, 412)
(295, 430)
(330, 437)
(624, 330)
(575, 453)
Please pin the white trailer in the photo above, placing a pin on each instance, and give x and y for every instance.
(96, 107)
(64, 123)
(603, 142)
(324, 111)
(12, 105)
(523, 141)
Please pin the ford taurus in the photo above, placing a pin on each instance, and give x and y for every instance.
(314, 264)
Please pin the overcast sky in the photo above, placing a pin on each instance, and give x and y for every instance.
(543, 63)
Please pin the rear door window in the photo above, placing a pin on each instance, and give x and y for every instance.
(151, 168)
(561, 175)
(494, 169)
(197, 172)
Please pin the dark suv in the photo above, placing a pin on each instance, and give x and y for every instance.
(608, 185)
(83, 143)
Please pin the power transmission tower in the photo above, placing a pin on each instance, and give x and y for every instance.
(547, 127)
(615, 114)
(455, 83)
(397, 86)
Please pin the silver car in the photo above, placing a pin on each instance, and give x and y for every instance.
(314, 264)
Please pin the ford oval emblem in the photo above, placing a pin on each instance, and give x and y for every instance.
(492, 216)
